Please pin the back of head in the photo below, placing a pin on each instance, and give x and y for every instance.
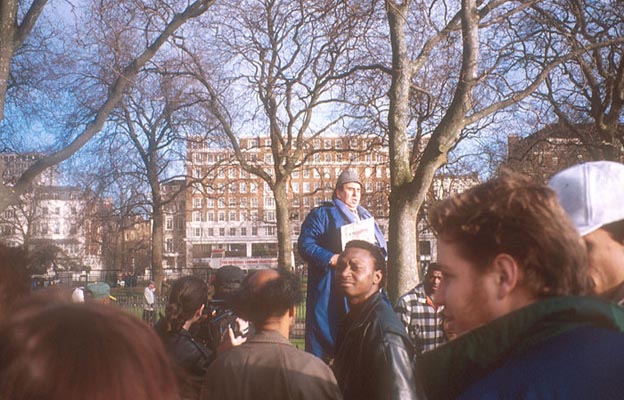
(70, 351)
(510, 214)
(14, 277)
(257, 300)
(227, 280)
(187, 295)
(591, 193)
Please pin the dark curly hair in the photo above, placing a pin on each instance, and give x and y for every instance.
(258, 303)
(186, 297)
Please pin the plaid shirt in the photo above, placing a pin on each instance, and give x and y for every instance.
(423, 322)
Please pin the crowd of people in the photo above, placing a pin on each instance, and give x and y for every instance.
(524, 302)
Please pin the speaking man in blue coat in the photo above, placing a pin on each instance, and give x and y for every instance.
(320, 244)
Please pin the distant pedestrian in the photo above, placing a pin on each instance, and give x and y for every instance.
(149, 299)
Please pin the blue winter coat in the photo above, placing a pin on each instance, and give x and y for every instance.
(325, 305)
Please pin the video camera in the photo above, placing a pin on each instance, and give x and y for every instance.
(220, 315)
(212, 329)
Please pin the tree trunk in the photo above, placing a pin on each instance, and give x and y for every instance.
(284, 241)
(403, 268)
(157, 244)
(403, 242)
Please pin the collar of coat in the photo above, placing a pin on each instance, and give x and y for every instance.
(449, 370)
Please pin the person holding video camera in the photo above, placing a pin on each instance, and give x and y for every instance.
(185, 308)
(222, 328)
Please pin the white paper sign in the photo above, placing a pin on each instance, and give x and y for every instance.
(362, 230)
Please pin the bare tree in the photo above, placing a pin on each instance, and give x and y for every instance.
(492, 74)
(288, 59)
(151, 118)
(158, 22)
(586, 94)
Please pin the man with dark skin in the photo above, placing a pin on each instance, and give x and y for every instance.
(374, 354)
(420, 314)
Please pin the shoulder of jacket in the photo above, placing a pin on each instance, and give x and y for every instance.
(324, 206)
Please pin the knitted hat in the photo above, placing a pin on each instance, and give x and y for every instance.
(347, 176)
(591, 193)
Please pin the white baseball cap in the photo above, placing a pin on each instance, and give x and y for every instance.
(591, 193)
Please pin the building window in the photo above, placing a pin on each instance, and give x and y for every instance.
(232, 216)
(197, 232)
(270, 230)
(253, 187)
(317, 201)
(269, 201)
(270, 216)
(221, 216)
(232, 231)
(210, 216)
(221, 231)
(295, 174)
(306, 173)
(210, 202)
(197, 202)
(221, 202)
(210, 231)
(254, 231)
(295, 187)
(197, 216)
(169, 224)
(306, 201)
(244, 231)
(232, 173)
(254, 202)
(232, 202)
(296, 202)
(306, 187)
(243, 187)
(169, 245)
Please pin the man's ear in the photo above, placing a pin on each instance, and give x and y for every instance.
(292, 312)
(507, 274)
(377, 276)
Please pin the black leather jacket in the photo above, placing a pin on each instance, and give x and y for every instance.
(191, 359)
(374, 356)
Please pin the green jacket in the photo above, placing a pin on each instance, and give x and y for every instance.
(450, 370)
